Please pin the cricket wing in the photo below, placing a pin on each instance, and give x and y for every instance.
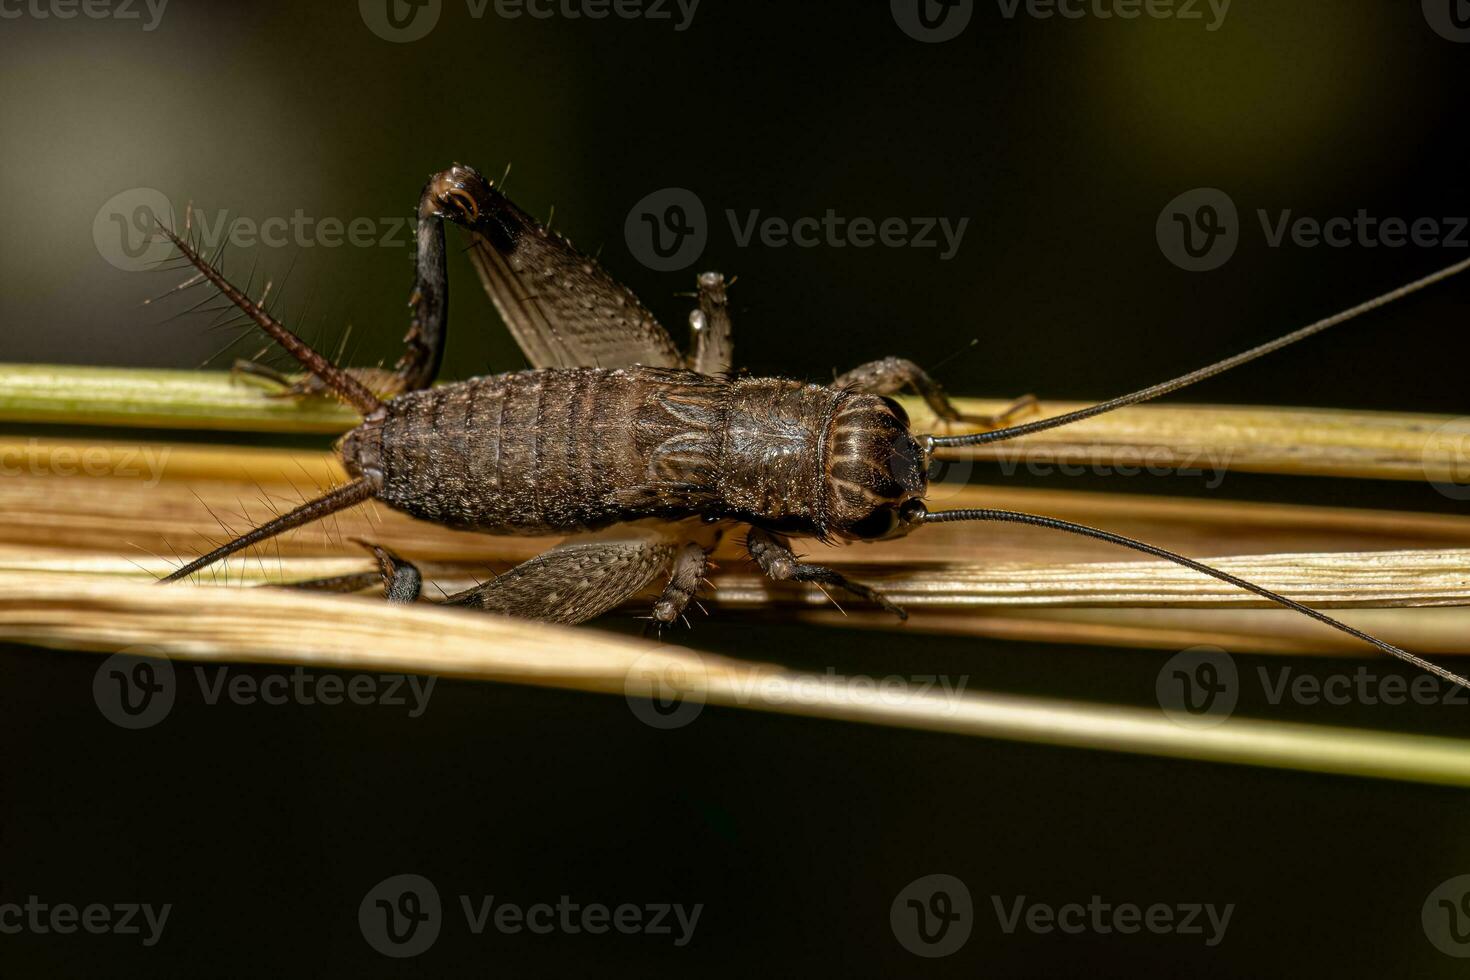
(561, 306)
(573, 583)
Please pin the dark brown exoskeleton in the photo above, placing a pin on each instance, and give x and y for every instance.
(643, 452)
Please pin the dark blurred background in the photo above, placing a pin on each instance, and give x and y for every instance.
(1061, 140)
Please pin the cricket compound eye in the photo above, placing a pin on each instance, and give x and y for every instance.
(882, 522)
(898, 411)
(912, 514)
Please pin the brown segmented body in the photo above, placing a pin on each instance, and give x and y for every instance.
(663, 439)
(562, 450)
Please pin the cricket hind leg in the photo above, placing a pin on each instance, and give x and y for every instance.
(572, 583)
(891, 375)
(712, 348)
(569, 584)
(774, 556)
(428, 303)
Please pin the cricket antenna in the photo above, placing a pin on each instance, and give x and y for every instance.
(1219, 367)
(342, 384)
(341, 498)
(1036, 520)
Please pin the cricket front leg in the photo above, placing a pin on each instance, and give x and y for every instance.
(893, 374)
(774, 556)
(569, 584)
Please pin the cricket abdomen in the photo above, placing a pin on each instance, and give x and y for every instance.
(548, 451)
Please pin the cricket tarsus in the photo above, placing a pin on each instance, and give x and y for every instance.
(1209, 371)
(401, 579)
(1056, 524)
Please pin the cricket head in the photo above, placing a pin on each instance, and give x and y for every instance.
(877, 471)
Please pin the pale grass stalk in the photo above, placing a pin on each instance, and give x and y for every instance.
(348, 633)
(127, 520)
(984, 580)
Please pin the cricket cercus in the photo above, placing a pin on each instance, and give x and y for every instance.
(652, 451)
